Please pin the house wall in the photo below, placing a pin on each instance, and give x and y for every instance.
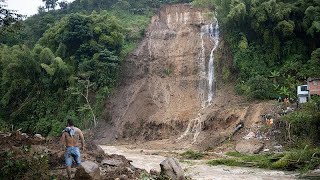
(314, 87)
(303, 99)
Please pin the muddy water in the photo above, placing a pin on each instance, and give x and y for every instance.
(149, 159)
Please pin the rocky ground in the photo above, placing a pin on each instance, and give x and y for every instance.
(33, 157)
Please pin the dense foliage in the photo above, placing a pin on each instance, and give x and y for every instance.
(275, 47)
(62, 63)
(40, 87)
(274, 42)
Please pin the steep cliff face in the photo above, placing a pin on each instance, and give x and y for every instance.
(168, 86)
(165, 81)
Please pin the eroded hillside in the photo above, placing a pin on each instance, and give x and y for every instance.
(169, 87)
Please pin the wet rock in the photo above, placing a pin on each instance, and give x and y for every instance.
(88, 171)
(172, 169)
(112, 162)
(252, 146)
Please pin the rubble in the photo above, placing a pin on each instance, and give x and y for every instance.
(95, 163)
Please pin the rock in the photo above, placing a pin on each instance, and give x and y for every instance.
(39, 149)
(112, 162)
(25, 135)
(171, 168)
(38, 136)
(154, 172)
(88, 171)
(124, 177)
(99, 150)
(252, 146)
(251, 135)
(278, 147)
(313, 174)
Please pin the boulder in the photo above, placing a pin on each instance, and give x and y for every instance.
(172, 169)
(88, 171)
(252, 146)
(251, 135)
(38, 136)
(112, 162)
(154, 172)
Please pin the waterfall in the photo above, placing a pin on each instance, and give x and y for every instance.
(207, 78)
(194, 126)
(207, 81)
(214, 35)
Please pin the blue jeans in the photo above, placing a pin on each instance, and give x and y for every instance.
(72, 152)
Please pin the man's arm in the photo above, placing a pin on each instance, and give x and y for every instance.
(81, 139)
(63, 140)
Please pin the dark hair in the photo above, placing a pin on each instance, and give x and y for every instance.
(70, 122)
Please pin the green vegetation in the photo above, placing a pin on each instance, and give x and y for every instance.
(302, 160)
(190, 154)
(61, 64)
(24, 166)
(303, 125)
(275, 44)
(275, 47)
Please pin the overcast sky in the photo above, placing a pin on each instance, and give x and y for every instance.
(26, 7)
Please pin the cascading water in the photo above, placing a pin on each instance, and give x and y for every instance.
(207, 78)
(214, 35)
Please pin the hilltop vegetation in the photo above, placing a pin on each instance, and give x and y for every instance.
(61, 64)
(275, 43)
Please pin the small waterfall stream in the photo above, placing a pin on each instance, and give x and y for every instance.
(214, 35)
(207, 82)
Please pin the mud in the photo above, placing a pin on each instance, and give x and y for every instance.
(195, 169)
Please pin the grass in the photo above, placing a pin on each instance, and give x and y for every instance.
(189, 154)
(299, 159)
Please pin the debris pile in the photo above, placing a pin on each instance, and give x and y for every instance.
(25, 156)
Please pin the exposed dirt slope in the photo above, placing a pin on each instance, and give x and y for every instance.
(162, 87)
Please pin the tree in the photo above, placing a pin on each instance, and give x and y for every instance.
(50, 4)
(7, 16)
(83, 89)
(63, 4)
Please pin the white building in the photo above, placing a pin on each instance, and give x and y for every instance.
(303, 93)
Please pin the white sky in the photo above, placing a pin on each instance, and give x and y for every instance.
(26, 7)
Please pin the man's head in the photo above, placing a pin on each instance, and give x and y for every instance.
(70, 122)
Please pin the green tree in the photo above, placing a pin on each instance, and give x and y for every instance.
(50, 4)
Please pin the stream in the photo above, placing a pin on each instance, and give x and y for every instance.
(195, 169)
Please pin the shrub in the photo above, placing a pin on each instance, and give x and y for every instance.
(189, 154)
(27, 166)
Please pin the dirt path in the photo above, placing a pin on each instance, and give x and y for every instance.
(196, 169)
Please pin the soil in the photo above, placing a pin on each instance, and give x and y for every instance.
(23, 146)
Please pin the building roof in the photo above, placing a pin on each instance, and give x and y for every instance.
(312, 79)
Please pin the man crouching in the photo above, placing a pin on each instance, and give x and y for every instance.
(70, 138)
